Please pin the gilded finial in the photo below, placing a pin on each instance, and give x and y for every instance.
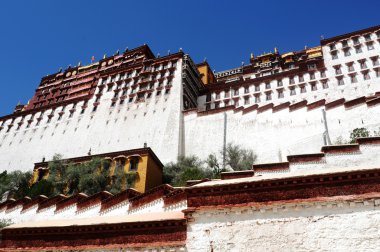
(252, 56)
(104, 56)
(275, 50)
(79, 63)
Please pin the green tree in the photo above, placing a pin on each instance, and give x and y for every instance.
(238, 158)
(358, 132)
(186, 168)
(214, 165)
(58, 175)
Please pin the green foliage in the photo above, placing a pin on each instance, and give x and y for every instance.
(213, 164)
(186, 168)
(4, 183)
(88, 177)
(57, 173)
(376, 133)
(15, 183)
(238, 158)
(43, 187)
(20, 183)
(192, 168)
(358, 132)
(4, 223)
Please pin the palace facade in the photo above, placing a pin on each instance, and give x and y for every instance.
(279, 103)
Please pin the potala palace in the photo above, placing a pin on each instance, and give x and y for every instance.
(305, 193)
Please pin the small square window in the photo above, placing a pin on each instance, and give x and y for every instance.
(363, 64)
(370, 46)
(340, 81)
(133, 164)
(280, 94)
(292, 91)
(257, 99)
(334, 55)
(375, 61)
(358, 49)
(353, 78)
(325, 84)
(366, 76)
(246, 100)
(303, 89)
(338, 70)
(279, 83)
(351, 68)
(267, 85)
(130, 100)
(291, 80)
(347, 52)
(311, 66)
(313, 87)
(268, 96)
(257, 88)
(158, 93)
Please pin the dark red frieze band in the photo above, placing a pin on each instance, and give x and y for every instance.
(290, 188)
(123, 234)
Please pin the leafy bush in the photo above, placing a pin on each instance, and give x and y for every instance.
(192, 168)
(358, 132)
(4, 223)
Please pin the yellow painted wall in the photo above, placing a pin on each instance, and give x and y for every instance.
(140, 182)
(207, 75)
(154, 175)
(149, 173)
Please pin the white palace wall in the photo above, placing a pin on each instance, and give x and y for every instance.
(128, 126)
(334, 226)
(273, 136)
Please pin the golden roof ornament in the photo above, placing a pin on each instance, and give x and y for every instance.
(252, 56)
(275, 50)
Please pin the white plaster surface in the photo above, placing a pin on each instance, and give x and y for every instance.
(326, 228)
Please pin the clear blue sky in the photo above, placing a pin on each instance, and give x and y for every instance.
(39, 37)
